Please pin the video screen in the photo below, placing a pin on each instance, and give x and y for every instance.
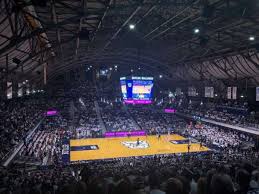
(137, 90)
(124, 89)
(142, 89)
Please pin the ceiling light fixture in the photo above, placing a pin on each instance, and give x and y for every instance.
(251, 38)
(131, 26)
(196, 30)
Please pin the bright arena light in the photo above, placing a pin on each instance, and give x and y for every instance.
(160, 76)
(131, 70)
(251, 38)
(81, 101)
(131, 26)
(110, 68)
(196, 30)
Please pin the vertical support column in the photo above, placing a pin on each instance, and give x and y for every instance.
(82, 73)
(67, 76)
(6, 77)
(45, 73)
(2, 87)
(246, 94)
(6, 67)
(22, 68)
(94, 75)
(32, 88)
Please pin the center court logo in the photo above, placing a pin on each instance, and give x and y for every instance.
(134, 145)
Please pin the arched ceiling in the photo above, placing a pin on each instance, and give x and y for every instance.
(63, 34)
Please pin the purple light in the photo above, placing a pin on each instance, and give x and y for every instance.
(51, 113)
(125, 133)
(169, 110)
(138, 101)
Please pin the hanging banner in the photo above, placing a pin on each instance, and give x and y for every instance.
(65, 152)
(27, 89)
(209, 92)
(191, 91)
(257, 93)
(229, 93)
(20, 89)
(9, 90)
(178, 91)
(234, 93)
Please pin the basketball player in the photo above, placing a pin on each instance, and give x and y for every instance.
(137, 141)
(159, 136)
(189, 147)
(168, 134)
(201, 144)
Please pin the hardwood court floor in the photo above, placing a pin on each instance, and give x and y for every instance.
(114, 148)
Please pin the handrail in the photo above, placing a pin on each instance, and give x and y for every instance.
(229, 126)
(97, 109)
(17, 149)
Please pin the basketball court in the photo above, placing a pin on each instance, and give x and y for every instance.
(107, 148)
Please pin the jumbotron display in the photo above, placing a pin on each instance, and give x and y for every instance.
(137, 90)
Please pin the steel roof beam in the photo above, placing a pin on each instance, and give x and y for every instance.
(35, 55)
(102, 19)
(84, 10)
(55, 21)
(172, 18)
(122, 26)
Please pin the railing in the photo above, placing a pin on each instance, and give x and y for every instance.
(10, 156)
(229, 126)
(97, 109)
(131, 117)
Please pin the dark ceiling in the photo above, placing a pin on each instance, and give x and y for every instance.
(59, 35)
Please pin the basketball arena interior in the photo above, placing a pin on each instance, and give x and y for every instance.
(129, 97)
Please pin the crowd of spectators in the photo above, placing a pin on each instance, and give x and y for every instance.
(76, 118)
(227, 170)
(153, 120)
(209, 173)
(44, 146)
(235, 114)
(116, 117)
(18, 116)
(218, 137)
(83, 97)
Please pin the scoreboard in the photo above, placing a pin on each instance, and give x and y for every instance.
(137, 90)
